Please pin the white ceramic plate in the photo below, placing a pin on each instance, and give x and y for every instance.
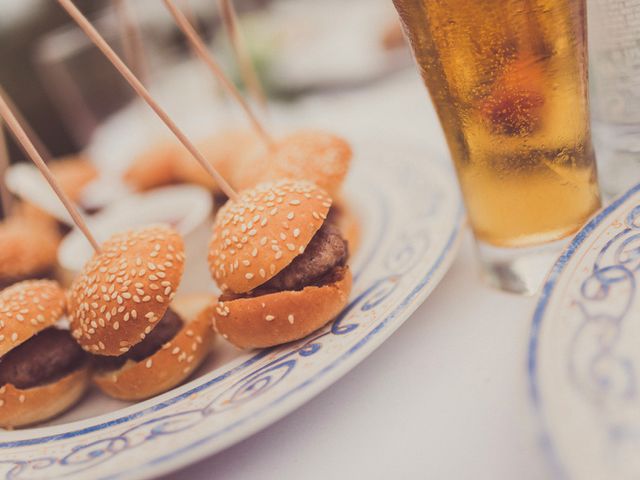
(584, 357)
(411, 220)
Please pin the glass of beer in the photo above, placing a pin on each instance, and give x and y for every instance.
(508, 79)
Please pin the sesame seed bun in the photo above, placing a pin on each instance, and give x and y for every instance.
(74, 173)
(22, 407)
(168, 367)
(154, 167)
(260, 234)
(28, 249)
(227, 151)
(125, 289)
(313, 155)
(27, 308)
(281, 317)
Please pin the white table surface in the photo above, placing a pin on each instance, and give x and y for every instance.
(444, 398)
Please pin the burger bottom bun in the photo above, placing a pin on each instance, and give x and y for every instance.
(168, 367)
(22, 407)
(281, 317)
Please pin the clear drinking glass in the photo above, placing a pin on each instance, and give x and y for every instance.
(614, 44)
(508, 79)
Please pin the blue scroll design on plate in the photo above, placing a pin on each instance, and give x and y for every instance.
(599, 365)
(403, 255)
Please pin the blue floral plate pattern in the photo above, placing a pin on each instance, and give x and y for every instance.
(584, 356)
(411, 217)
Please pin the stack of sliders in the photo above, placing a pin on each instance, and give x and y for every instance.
(276, 253)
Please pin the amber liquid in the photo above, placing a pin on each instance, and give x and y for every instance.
(508, 79)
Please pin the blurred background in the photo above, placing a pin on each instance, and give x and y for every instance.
(66, 89)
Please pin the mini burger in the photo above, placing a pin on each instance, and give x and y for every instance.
(312, 155)
(119, 308)
(28, 248)
(169, 163)
(281, 266)
(43, 371)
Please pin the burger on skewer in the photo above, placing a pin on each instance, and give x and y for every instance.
(119, 308)
(168, 162)
(43, 371)
(313, 155)
(280, 265)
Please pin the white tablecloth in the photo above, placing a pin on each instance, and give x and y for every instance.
(444, 398)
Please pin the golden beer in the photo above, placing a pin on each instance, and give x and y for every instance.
(508, 79)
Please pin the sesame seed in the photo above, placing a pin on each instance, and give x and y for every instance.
(291, 319)
(269, 318)
(248, 276)
(148, 363)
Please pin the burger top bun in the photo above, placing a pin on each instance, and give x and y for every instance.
(28, 246)
(26, 308)
(226, 151)
(257, 236)
(125, 289)
(319, 157)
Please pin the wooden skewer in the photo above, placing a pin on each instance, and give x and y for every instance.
(241, 52)
(131, 40)
(185, 7)
(200, 48)
(22, 137)
(5, 194)
(117, 62)
(37, 141)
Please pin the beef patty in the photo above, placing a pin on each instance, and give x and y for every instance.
(326, 251)
(165, 330)
(44, 358)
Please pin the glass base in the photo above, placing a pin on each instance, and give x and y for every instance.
(518, 270)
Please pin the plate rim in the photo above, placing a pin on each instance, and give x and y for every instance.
(546, 437)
